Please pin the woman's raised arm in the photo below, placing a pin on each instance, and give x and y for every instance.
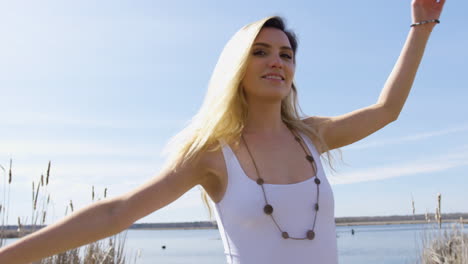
(104, 218)
(400, 81)
(342, 130)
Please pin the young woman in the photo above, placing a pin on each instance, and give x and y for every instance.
(254, 155)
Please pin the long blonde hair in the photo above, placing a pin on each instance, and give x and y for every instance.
(224, 110)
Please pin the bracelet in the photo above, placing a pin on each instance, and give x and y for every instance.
(425, 22)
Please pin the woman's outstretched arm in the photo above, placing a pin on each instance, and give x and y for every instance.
(342, 130)
(104, 218)
(84, 226)
(400, 81)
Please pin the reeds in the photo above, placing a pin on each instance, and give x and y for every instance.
(444, 246)
(112, 252)
(6, 200)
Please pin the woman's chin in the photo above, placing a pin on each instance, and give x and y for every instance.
(271, 97)
(270, 94)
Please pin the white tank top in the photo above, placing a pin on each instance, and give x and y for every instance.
(250, 236)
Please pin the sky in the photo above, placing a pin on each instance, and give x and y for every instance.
(99, 87)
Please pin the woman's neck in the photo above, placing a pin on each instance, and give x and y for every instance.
(264, 119)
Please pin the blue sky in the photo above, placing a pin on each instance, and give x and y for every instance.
(98, 87)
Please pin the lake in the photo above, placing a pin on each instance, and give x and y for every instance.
(383, 244)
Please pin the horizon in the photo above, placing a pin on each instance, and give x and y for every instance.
(336, 218)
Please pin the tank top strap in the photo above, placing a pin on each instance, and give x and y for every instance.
(313, 150)
(227, 151)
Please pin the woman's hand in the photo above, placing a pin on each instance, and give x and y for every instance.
(426, 10)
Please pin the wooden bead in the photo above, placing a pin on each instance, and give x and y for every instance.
(285, 235)
(310, 158)
(260, 181)
(310, 234)
(268, 209)
(317, 181)
(316, 207)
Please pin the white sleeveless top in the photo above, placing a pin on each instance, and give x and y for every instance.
(250, 236)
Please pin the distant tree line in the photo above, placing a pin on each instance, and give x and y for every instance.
(181, 225)
(338, 220)
(391, 218)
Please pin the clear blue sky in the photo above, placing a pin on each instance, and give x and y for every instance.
(98, 87)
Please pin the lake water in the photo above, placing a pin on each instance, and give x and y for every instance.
(383, 244)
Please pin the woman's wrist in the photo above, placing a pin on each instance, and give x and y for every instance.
(427, 28)
(425, 25)
(423, 22)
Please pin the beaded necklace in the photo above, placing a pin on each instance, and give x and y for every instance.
(268, 208)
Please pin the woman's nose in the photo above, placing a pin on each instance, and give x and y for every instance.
(276, 62)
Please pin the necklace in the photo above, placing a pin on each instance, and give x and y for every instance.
(268, 208)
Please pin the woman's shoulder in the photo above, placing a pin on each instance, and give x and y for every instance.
(211, 157)
(212, 154)
(316, 124)
(212, 163)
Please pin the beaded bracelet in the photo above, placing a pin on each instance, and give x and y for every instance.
(425, 22)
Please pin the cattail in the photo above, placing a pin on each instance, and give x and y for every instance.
(412, 204)
(19, 225)
(48, 199)
(105, 192)
(43, 216)
(33, 191)
(37, 194)
(439, 198)
(71, 205)
(48, 173)
(42, 179)
(92, 194)
(9, 173)
(1, 208)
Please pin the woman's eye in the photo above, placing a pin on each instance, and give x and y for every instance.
(286, 56)
(259, 53)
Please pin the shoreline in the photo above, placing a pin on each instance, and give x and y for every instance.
(9, 233)
(401, 222)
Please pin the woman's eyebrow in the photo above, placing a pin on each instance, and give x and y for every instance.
(269, 46)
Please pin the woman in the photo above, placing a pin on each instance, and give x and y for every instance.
(253, 154)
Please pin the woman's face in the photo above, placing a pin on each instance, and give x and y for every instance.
(270, 69)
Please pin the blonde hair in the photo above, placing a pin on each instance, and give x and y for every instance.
(224, 110)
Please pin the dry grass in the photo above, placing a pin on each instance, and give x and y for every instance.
(444, 245)
(112, 252)
(106, 251)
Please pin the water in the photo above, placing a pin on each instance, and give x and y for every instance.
(182, 246)
(383, 244)
(386, 244)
